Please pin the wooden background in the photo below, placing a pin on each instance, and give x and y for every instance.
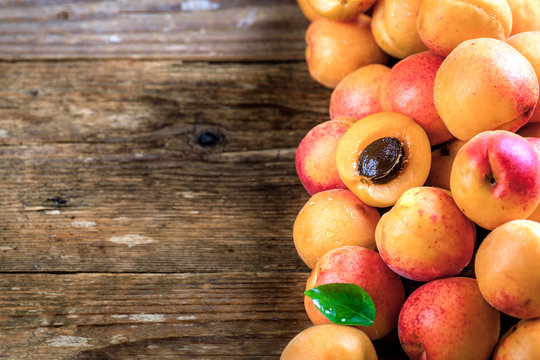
(147, 180)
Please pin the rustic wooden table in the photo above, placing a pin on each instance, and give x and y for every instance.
(148, 188)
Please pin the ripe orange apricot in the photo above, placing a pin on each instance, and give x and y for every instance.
(330, 342)
(331, 219)
(528, 44)
(485, 84)
(383, 155)
(335, 49)
(520, 342)
(340, 10)
(442, 159)
(307, 10)
(507, 267)
(357, 95)
(394, 27)
(525, 15)
(444, 24)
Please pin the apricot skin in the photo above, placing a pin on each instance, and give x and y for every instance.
(447, 319)
(525, 15)
(340, 10)
(408, 89)
(394, 27)
(495, 178)
(331, 219)
(425, 236)
(520, 342)
(363, 267)
(507, 266)
(528, 44)
(315, 158)
(442, 159)
(307, 10)
(444, 24)
(503, 97)
(357, 95)
(335, 49)
(371, 128)
(330, 342)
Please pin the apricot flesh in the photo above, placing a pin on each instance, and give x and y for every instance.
(330, 342)
(331, 219)
(414, 166)
(503, 97)
(507, 267)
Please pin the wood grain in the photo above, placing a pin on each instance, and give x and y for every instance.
(118, 142)
(157, 29)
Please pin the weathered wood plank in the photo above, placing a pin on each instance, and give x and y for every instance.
(189, 29)
(157, 316)
(116, 144)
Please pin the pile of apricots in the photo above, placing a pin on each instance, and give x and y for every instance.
(429, 164)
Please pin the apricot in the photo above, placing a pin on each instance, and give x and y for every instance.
(528, 44)
(520, 342)
(507, 267)
(442, 159)
(485, 84)
(495, 178)
(307, 10)
(408, 89)
(330, 342)
(335, 49)
(535, 142)
(357, 95)
(444, 24)
(383, 155)
(425, 236)
(340, 10)
(525, 15)
(315, 158)
(394, 27)
(365, 268)
(447, 319)
(330, 219)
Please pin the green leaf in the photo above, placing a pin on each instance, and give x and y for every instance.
(342, 303)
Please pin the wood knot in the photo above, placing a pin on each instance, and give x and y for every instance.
(62, 15)
(208, 138)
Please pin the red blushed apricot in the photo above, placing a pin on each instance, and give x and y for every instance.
(425, 236)
(335, 49)
(528, 44)
(444, 24)
(340, 10)
(357, 95)
(365, 268)
(408, 89)
(485, 84)
(331, 219)
(447, 319)
(383, 155)
(495, 178)
(442, 159)
(330, 342)
(394, 27)
(535, 142)
(507, 267)
(316, 156)
(525, 15)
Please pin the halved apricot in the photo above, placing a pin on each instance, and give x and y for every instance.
(383, 155)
